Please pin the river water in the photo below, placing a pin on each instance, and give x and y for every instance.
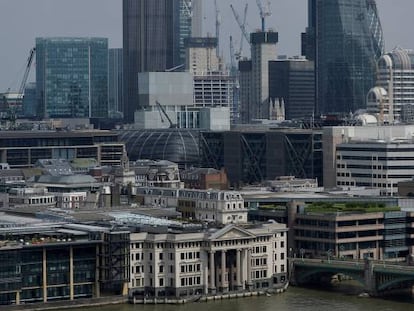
(294, 299)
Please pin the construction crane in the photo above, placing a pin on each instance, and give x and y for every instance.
(239, 52)
(13, 101)
(242, 25)
(232, 55)
(264, 12)
(26, 72)
(218, 23)
(163, 112)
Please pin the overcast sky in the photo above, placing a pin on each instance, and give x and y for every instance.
(21, 21)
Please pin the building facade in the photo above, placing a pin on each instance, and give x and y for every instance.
(154, 32)
(376, 164)
(293, 81)
(263, 50)
(22, 149)
(72, 77)
(218, 261)
(344, 38)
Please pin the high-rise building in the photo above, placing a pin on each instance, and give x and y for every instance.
(292, 81)
(154, 33)
(115, 82)
(72, 77)
(254, 75)
(345, 39)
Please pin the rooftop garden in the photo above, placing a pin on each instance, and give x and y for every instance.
(354, 207)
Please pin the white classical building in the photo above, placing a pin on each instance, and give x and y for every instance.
(222, 207)
(213, 261)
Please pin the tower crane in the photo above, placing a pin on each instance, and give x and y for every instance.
(218, 23)
(163, 112)
(264, 12)
(239, 52)
(26, 72)
(232, 55)
(242, 24)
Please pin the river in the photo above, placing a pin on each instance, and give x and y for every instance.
(293, 300)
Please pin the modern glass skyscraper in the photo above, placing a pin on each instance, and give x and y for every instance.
(345, 39)
(154, 33)
(72, 77)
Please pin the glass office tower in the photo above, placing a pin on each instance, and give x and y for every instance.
(72, 77)
(345, 39)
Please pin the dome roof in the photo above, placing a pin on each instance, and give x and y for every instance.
(180, 146)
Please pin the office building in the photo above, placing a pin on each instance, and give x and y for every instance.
(344, 38)
(293, 82)
(255, 155)
(385, 160)
(21, 149)
(72, 77)
(381, 235)
(154, 33)
(115, 83)
(392, 97)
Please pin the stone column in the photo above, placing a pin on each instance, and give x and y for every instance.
(238, 270)
(224, 285)
(249, 269)
(71, 286)
(17, 298)
(44, 272)
(212, 274)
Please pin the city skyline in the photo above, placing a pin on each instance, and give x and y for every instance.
(51, 18)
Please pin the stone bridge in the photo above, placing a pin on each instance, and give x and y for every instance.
(376, 277)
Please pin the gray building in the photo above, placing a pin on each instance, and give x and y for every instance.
(115, 82)
(293, 81)
(254, 77)
(72, 77)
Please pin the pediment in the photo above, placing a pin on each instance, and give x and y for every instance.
(231, 232)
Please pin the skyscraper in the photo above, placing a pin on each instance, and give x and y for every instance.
(72, 77)
(345, 39)
(115, 82)
(153, 32)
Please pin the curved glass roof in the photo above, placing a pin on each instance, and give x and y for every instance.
(176, 145)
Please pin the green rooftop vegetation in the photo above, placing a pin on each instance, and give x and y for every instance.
(358, 207)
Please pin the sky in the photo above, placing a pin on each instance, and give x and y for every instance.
(21, 21)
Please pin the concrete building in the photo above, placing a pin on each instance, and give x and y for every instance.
(217, 261)
(353, 235)
(72, 77)
(382, 135)
(293, 81)
(394, 87)
(255, 77)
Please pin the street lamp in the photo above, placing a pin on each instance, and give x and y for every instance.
(341, 250)
(329, 253)
(302, 252)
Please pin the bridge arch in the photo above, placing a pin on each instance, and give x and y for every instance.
(305, 275)
(409, 280)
